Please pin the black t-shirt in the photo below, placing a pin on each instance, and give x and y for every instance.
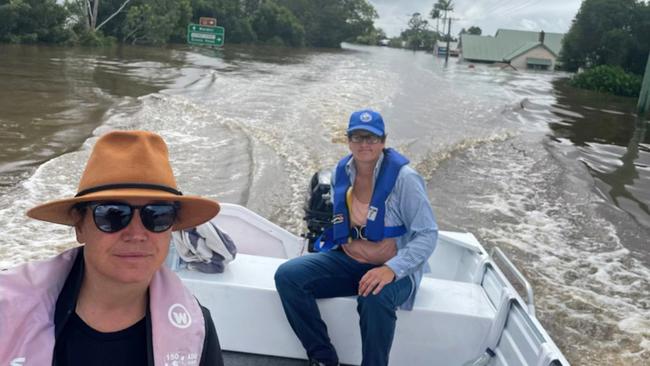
(81, 345)
(78, 344)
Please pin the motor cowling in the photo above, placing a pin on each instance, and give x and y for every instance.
(318, 206)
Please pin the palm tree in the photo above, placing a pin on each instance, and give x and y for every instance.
(436, 14)
(444, 7)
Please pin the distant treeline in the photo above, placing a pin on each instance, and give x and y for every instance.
(312, 23)
(610, 40)
(609, 32)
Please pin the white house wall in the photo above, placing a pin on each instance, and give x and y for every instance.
(538, 52)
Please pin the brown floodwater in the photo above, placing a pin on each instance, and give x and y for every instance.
(557, 177)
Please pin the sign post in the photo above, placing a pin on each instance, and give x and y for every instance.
(208, 22)
(205, 36)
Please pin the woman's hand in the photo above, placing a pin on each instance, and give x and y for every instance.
(375, 280)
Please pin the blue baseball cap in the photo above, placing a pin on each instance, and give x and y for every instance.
(366, 119)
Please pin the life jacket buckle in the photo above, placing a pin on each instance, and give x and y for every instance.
(358, 232)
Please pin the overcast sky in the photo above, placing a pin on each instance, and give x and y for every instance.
(489, 15)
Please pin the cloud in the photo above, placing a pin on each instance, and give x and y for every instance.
(489, 15)
(528, 24)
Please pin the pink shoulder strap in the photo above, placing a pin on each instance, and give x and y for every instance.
(176, 320)
(28, 295)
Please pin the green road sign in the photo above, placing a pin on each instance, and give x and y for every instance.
(202, 35)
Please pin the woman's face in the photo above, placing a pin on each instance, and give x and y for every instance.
(365, 146)
(130, 255)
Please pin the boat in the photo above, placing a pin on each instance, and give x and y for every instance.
(467, 312)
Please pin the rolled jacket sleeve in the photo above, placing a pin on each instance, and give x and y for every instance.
(409, 205)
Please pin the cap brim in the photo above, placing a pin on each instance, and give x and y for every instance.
(194, 210)
(366, 128)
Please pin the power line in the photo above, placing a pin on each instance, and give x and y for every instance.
(503, 8)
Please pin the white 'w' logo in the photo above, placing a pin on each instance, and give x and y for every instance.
(179, 316)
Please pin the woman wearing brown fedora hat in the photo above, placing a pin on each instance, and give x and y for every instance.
(110, 301)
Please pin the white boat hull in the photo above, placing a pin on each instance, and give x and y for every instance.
(463, 307)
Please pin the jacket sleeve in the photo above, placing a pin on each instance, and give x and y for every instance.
(211, 355)
(414, 210)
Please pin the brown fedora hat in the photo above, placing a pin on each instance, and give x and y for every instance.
(125, 165)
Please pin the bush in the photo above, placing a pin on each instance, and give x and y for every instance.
(395, 42)
(609, 79)
(95, 39)
(275, 41)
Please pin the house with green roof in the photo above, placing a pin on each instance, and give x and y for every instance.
(520, 49)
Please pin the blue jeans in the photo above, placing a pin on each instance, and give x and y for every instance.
(302, 280)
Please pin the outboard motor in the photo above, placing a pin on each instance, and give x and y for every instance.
(318, 206)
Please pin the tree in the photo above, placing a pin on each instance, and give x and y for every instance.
(444, 7)
(474, 30)
(373, 37)
(436, 14)
(92, 13)
(30, 21)
(418, 36)
(327, 23)
(251, 6)
(92, 20)
(417, 24)
(608, 32)
(272, 22)
(156, 22)
(319, 23)
(471, 30)
(641, 42)
(117, 10)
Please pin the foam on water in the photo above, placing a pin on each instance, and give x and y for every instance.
(22, 238)
(591, 289)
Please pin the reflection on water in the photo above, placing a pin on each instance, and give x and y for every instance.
(52, 98)
(613, 143)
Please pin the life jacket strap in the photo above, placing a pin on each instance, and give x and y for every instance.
(325, 242)
(394, 231)
(359, 232)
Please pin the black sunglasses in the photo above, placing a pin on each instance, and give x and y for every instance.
(111, 217)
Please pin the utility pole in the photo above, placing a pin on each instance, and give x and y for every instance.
(448, 38)
(644, 95)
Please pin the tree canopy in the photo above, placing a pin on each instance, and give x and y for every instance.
(474, 30)
(31, 21)
(275, 23)
(329, 22)
(471, 30)
(608, 32)
(418, 35)
(440, 11)
(315, 23)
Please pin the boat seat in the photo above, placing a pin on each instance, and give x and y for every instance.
(450, 319)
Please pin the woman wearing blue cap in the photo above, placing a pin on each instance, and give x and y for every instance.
(383, 232)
